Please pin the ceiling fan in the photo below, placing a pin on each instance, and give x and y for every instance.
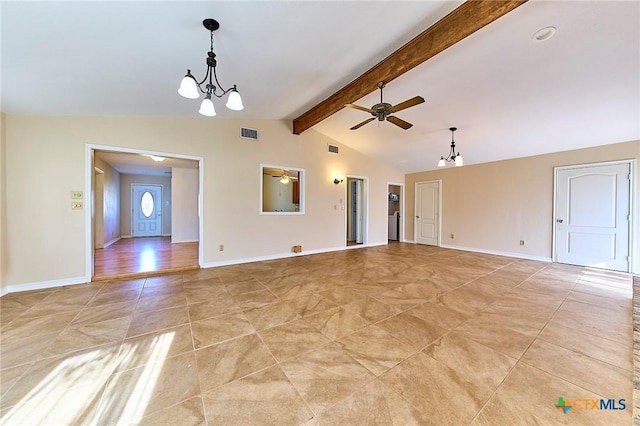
(383, 110)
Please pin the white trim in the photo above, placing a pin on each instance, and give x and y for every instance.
(4, 291)
(287, 255)
(499, 253)
(365, 225)
(269, 257)
(380, 243)
(401, 213)
(410, 241)
(133, 211)
(184, 241)
(46, 284)
(89, 172)
(115, 240)
(634, 246)
(302, 178)
(415, 209)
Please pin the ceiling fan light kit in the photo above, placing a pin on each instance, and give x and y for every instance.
(190, 87)
(382, 111)
(454, 158)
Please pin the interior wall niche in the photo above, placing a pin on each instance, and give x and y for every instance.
(281, 190)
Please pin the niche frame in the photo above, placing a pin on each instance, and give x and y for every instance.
(301, 184)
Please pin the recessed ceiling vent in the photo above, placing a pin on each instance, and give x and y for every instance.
(333, 149)
(247, 133)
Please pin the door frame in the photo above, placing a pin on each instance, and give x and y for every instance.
(634, 262)
(365, 225)
(401, 238)
(415, 210)
(88, 188)
(159, 185)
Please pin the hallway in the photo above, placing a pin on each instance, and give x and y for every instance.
(144, 256)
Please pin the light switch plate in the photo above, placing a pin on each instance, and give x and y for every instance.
(76, 205)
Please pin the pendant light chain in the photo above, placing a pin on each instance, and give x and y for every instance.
(190, 87)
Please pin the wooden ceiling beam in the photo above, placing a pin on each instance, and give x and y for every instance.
(463, 21)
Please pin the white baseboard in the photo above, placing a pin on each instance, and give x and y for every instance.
(82, 280)
(184, 241)
(46, 284)
(378, 243)
(499, 253)
(115, 240)
(269, 257)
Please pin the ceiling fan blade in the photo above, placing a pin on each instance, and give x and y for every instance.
(406, 104)
(357, 126)
(360, 108)
(399, 122)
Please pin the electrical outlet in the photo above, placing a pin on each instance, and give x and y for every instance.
(521, 242)
(221, 247)
(76, 205)
(76, 195)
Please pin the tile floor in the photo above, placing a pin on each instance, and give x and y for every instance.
(393, 335)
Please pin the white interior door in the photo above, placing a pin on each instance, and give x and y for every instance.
(593, 216)
(146, 210)
(427, 213)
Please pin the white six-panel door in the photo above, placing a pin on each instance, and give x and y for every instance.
(593, 215)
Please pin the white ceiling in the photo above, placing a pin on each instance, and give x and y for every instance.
(143, 164)
(508, 95)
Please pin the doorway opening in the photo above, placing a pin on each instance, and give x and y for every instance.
(394, 210)
(356, 211)
(131, 230)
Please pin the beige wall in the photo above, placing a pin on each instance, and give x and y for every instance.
(48, 161)
(110, 202)
(493, 206)
(184, 205)
(3, 206)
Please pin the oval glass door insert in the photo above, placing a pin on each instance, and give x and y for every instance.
(147, 204)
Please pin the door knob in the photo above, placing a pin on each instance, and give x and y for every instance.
(417, 217)
(559, 220)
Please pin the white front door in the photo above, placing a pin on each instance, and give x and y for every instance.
(593, 216)
(427, 213)
(146, 210)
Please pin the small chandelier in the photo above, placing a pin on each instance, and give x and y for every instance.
(190, 87)
(453, 157)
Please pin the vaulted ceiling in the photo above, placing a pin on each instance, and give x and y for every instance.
(509, 95)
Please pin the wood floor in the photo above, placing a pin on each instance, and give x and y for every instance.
(144, 256)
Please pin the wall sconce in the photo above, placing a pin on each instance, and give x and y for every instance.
(337, 181)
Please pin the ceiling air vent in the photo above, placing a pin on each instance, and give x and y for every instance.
(333, 149)
(247, 133)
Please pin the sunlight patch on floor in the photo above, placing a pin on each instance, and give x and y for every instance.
(83, 378)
